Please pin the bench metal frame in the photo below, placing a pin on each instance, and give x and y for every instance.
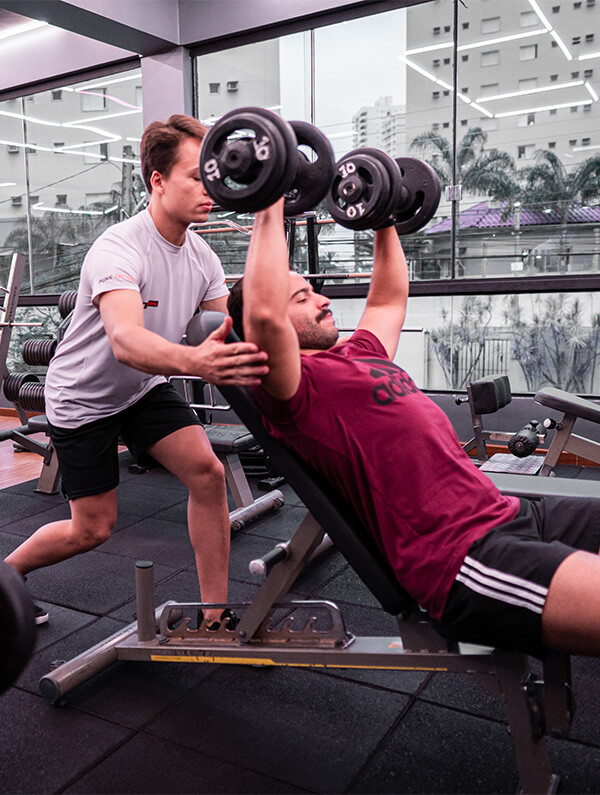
(534, 707)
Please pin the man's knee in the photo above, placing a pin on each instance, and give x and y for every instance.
(91, 524)
(207, 473)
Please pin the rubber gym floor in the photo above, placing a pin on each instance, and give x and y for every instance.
(190, 728)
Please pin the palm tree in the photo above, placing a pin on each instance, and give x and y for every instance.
(548, 184)
(487, 172)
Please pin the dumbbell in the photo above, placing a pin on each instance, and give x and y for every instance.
(370, 189)
(31, 397)
(525, 442)
(66, 303)
(251, 157)
(13, 383)
(38, 352)
(17, 625)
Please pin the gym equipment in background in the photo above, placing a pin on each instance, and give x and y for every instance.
(491, 393)
(26, 392)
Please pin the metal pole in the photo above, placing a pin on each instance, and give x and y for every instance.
(312, 76)
(454, 131)
(454, 181)
(27, 203)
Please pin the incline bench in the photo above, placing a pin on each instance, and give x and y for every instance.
(534, 707)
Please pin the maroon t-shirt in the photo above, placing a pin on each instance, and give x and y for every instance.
(359, 420)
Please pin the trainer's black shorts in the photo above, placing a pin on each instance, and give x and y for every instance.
(499, 594)
(88, 455)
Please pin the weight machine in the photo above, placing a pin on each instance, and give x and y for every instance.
(492, 393)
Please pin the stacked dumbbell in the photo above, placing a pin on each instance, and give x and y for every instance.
(26, 389)
(251, 157)
(370, 189)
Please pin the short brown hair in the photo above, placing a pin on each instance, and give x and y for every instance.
(235, 307)
(160, 141)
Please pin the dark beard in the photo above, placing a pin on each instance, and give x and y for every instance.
(317, 338)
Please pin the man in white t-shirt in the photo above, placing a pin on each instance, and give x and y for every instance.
(141, 282)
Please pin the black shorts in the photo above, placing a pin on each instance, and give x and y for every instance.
(88, 455)
(499, 594)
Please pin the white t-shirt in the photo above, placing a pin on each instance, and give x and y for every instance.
(84, 381)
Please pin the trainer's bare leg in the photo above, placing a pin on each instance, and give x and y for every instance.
(571, 617)
(91, 522)
(188, 454)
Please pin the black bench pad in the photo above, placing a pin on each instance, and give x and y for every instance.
(569, 404)
(229, 438)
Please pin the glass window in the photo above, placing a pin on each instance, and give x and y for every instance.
(74, 153)
(544, 339)
(528, 53)
(528, 19)
(490, 58)
(490, 25)
(541, 339)
(93, 100)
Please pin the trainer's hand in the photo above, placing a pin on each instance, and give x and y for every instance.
(235, 363)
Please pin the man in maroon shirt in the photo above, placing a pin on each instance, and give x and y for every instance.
(489, 568)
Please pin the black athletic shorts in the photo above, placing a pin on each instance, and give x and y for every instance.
(88, 455)
(500, 591)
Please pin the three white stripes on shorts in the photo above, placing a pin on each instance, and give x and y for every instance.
(502, 586)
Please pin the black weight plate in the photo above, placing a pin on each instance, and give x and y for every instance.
(421, 193)
(31, 397)
(17, 625)
(359, 186)
(66, 302)
(389, 203)
(14, 381)
(248, 159)
(313, 177)
(38, 352)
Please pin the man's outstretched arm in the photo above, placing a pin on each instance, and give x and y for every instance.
(266, 299)
(388, 293)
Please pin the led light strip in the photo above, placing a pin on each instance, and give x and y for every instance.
(78, 123)
(485, 112)
(43, 209)
(540, 109)
(25, 28)
(527, 91)
(476, 44)
(89, 86)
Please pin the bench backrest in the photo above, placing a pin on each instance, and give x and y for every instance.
(329, 509)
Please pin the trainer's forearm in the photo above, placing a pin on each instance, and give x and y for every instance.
(144, 350)
(389, 283)
(266, 276)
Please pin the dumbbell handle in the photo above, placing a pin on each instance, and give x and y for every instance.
(19, 325)
(260, 566)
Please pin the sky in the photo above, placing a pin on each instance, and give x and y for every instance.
(350, 73)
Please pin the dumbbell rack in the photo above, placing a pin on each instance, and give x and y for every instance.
(8, 309)
(47, 483)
